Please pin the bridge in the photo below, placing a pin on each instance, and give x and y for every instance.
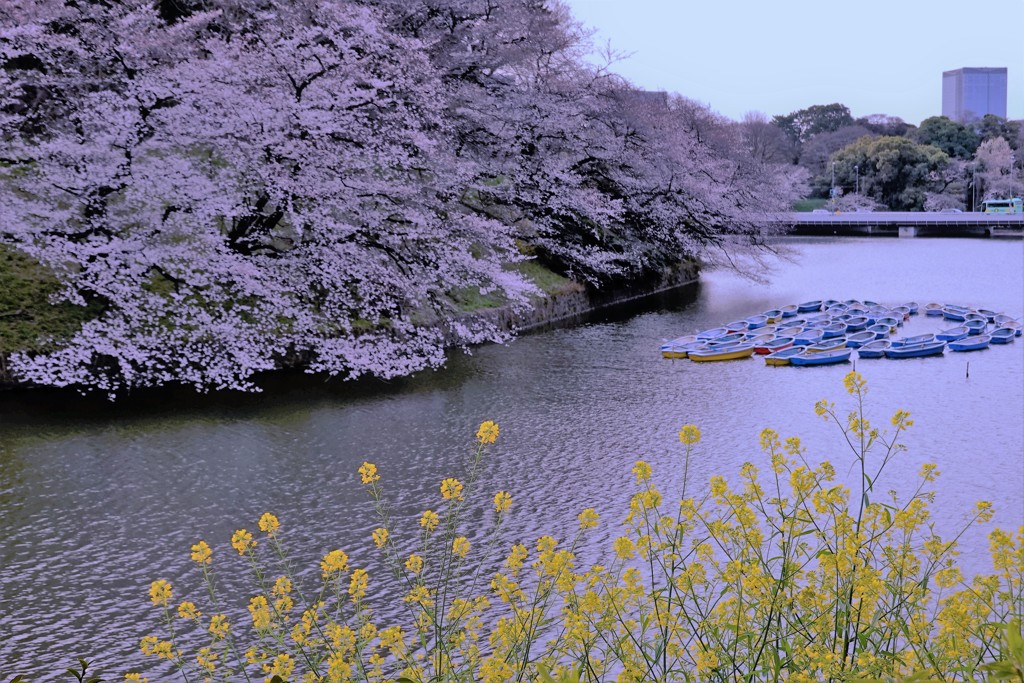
(905, 224)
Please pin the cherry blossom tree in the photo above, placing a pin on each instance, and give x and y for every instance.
(241, 184)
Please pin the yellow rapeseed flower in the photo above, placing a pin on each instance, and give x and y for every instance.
(901, 420)
(207, 660)
(358, 584)
(201, 553)
(380, 536)
(642, 471)
(689, 434)
(333, 563)
(855, 383)
(187, 610)
(502, 501)
(429, 520)
(160, 592)
(281, 666)
(929, 472)
(259, 608)
(451, 489)
(460, 546)
(219, 626)
(242, 541)
(269, 524)
(488, 432)
(135, 678)
(984, 511)
(588, 518)
(414, 564)
(624, 548)
(368, 473)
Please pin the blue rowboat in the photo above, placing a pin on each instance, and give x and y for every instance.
(808, 306)
(789, 311)
(774, 315)
(881, 331)
(973, 343)
(833, 330)
(953, 333)
(784, 356)
(875, 349)
(919, 339)
(889, 320)
(808, 336)
(856, 324)
(933, 309)
(914, 308)
(954, 313)
(975, 326)
(934, 348)
(728, 352)
(823, 358)
(756, 321)
(826, 345)
(991, 315)
(1002, 319)
(902, 311)
(859, 339)
(737, 326)
(713, 333)
(759, 339)
(1003, 335)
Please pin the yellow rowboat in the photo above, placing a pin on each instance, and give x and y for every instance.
(782, 357)
(727, 353)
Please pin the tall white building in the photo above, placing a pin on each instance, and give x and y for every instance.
(970, 93)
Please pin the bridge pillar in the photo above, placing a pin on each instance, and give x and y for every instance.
(908, 231)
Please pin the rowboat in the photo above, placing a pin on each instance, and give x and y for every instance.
(808, 306)
(918, 339)
(737, 326)
(725, 353)
(991, 315)
(808, 336)
(727, 338)
(774, 315)
(823, 358)
(975, 326)
(912, 305)
(713, 333)
(779, 343)
(856, 324)
(756, 321)
(671, 350)
(975, 342)
(875, 349)
(889, 320)
(954, 312)
(759, 339)
(826, 345)
(858, 339)
(933, 309)
(1003, 335)
(934, 348)
(833, 330)
(784, 356)
(880, 331)
(789, 311)
(953, 333)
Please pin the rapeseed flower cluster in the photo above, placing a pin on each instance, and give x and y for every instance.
(781, 573)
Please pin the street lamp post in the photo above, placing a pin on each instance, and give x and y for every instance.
(974, 187)
(856, 182)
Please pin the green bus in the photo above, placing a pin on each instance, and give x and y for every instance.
(1015, 205)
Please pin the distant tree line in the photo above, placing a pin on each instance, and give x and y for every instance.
(226, 186)
(883, 161)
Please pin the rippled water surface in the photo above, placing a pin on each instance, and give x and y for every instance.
(95, 504)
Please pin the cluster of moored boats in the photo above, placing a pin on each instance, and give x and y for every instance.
(824, 332)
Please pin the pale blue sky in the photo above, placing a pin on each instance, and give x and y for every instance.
(874, 56)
